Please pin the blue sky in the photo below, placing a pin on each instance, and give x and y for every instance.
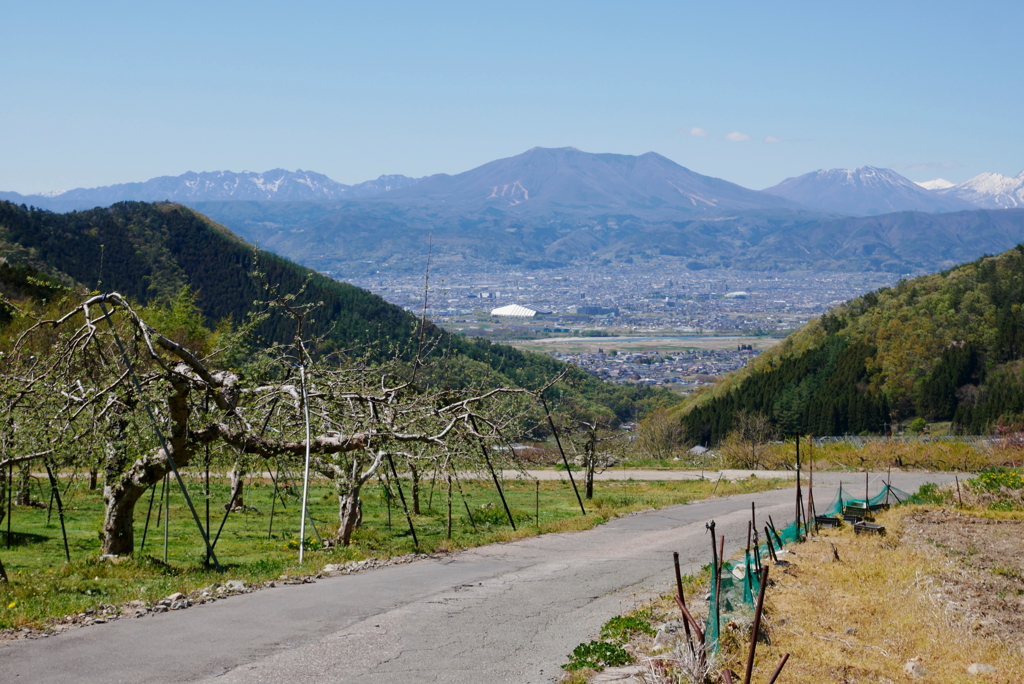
(105, 92)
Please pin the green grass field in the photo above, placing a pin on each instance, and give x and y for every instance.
(43, 586)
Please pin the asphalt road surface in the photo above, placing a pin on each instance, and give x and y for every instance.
(500, 613)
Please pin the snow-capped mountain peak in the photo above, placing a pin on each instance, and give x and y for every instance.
(937, 184)
(278, 185)
(865, 191)
(990, 191)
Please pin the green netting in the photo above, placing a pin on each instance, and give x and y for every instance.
(740, 581)
(844, 499)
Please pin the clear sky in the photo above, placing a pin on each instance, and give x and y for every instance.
(100, 92)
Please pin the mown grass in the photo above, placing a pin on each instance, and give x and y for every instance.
(43, 587)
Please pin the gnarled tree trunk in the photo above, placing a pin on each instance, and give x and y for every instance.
(348, 484)
(350, 514)
(118, 521)
(123, 489)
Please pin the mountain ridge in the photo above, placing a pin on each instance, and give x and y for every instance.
(989, 190)
(274, 185)
(558, 180)
(865, 191)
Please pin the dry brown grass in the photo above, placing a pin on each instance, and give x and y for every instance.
(862, 619)
(880, 455)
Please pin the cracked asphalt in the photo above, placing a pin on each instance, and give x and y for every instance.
(500, 613)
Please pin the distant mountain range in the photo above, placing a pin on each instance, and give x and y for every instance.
(277, 185)
(549, 207)
(866, 191)
(989, 190)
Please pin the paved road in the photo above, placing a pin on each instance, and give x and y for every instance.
(673, 475)
(500, 613)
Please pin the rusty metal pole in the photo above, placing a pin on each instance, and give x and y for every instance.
(959, 498)
(715, 572)
(771, 547)
(682, 600)
(778, 670)
(757, 625)
(757, 552)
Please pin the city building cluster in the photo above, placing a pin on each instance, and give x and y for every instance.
(655, 300)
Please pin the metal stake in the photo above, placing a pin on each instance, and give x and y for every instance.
(562, 451)
(60, 510)
(682, 599)
(757, 625)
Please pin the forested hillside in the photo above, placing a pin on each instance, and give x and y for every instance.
(943, 347)
(149, 252)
